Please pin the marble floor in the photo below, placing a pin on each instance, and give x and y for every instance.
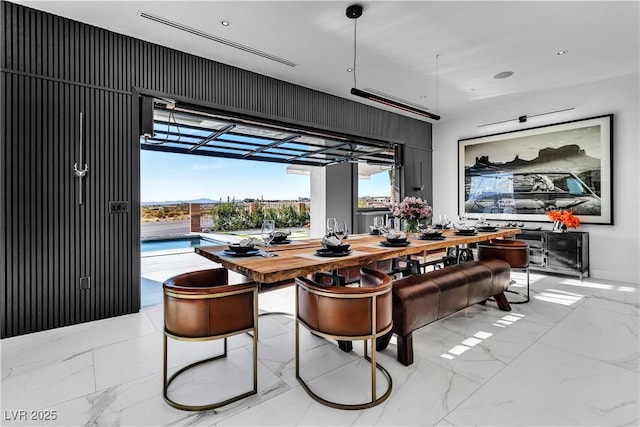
(569, 357)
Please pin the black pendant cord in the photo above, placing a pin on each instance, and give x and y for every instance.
(437, 75)
(355, 50)
(354, 12)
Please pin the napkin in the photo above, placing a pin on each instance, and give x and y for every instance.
(330, 241)
(248, 242)
(431, 231)
(396, 235)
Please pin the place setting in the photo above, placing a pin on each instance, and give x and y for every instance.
(247, 247)
(378, 228)
(332, 245)
(431, 233)
(468, 231)
(487, 228)
(281, 237)
(395, 239)
(461, 227)
(483, 226)
(244, 248)
(443, 223)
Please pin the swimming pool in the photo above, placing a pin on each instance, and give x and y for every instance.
(176, 243)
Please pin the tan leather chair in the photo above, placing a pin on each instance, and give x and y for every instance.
(515, 252)
(201, 306)
(355, 312)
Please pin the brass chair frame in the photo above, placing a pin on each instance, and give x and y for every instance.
(316, 289)
(166, 334)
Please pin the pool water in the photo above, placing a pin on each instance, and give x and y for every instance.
(178, 243)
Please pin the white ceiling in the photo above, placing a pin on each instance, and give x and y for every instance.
(397, 43)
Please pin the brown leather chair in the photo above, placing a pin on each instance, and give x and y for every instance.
(515, 252)
(435, 259)
(201, 306)
(347, 275)
(356, 312)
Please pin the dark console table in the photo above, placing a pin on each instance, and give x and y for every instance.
(563, 253)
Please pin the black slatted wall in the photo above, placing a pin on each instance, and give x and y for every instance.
(52, 70)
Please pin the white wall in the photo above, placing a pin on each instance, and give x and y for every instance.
(614, 250)
(332, 196)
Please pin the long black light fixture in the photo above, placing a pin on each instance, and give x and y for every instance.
(382, 100)
(354, 12)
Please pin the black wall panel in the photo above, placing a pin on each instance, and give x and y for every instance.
(52, 69)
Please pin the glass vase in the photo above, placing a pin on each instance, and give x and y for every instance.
(559, 227)
(411, 227)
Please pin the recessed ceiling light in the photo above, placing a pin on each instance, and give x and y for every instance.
(225, 23)
(560, 53)
(503, 75)
(349, 70)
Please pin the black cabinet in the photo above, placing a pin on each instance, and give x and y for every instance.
(564, 253)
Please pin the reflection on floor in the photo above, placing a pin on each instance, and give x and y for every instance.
(569, 357)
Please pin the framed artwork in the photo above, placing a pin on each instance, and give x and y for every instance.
(521, 175)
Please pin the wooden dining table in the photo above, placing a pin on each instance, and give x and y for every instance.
(297, 258)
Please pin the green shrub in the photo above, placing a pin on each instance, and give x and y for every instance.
(231, 216)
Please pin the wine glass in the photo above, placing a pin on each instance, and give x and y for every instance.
(331, 225)
(377, 222)
(462, 220)
(340, 230)
(268, 233)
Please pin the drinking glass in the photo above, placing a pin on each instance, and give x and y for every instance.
(268, 233)
(377, 222)
(340, 230)
(331, 225)
(462, 220)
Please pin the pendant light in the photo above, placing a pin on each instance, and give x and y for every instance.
(354, 12)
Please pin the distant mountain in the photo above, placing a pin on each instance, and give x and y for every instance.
(205, 200)
(177, 202)
(567, 158)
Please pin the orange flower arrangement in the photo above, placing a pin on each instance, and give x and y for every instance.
(566, 217)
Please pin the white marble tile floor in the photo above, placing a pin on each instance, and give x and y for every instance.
(569, 357)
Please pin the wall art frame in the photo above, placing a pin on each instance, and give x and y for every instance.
(522, 174)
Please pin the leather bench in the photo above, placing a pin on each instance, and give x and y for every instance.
(422, 299)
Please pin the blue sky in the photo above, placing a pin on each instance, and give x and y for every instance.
(168, 176)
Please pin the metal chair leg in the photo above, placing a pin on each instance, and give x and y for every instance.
(525, 296)
(167, 382)
(374, 365)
